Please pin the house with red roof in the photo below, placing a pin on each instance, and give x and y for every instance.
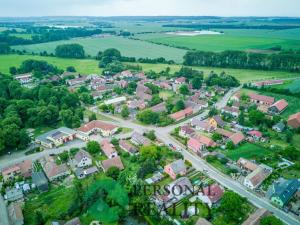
(180, 80)
(195, 145)
(182, 114)
(211, 194)
(127, 147)
(108, 149)
(112, 162)
(261, 99)
(278, 107)
(237, 138)
(255, 134)
(186, 131)
(96, 126)
(294, 120)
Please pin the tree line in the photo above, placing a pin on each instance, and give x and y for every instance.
(286, 61)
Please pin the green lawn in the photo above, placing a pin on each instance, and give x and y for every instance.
(24, 36)
(230, 40)
(85, 66)
(128, 47)
(248, 151)
(52, 204)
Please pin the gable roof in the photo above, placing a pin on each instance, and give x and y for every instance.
(204, 140)
(263, 98)
(219, 121)
(247, 164)
(237, 138)
(161, 107)
(178, 166)
(107, 148)
(81, 154)
(181, 114)
(284, 189)
(113, 162)
(280, 105)
(96, 124)
(214, 192)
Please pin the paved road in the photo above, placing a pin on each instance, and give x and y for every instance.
(3, 211)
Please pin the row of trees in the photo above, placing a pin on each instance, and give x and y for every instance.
(46, 34)
(288, 61)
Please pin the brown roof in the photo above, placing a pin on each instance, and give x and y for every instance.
(113, 162)
(181, 114)
(263, 98)
(247, 164)
(224, 133)
(96, 124)
(26, 167)
(205, 140)
(161, 107)
(280, 105)
(294, 120)
(237, 138)
(107, 148)
(10, 169)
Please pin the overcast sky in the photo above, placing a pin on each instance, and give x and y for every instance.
(16, 8)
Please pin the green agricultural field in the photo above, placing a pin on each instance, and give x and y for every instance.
(128, 47)
(231, 39)
(294, 86)
(24, 36)
(244, 75)
(85, 66)
(247, 151)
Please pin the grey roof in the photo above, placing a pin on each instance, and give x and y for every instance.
(140, 139)
(219, 120)
(279, 126)
(284, 189)
(80, 155)
(39, 178)
(178, 166)
(59, 132)
(74, 221)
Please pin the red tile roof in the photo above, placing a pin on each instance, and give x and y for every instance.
(280, 105)
(182, 114)
(263, 98)
(294, 120)
(214, 192)
(113, 162)
(237, 138)
(194, 144)
(205, 140)
(107, 148)
(255, 133)
(96, 124)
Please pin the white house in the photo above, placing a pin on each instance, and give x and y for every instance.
(82, 159)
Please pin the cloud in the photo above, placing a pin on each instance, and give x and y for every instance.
(149, 7)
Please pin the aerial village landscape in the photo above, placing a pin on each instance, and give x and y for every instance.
(146, 140)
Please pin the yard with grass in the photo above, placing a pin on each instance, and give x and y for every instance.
(52, 204)
(247, 151)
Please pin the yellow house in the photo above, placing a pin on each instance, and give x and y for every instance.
(216, 121)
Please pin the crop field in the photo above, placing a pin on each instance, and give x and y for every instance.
(85, 66)
(244, 75)
(247, 151)
(230, 40)
(127, 47)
